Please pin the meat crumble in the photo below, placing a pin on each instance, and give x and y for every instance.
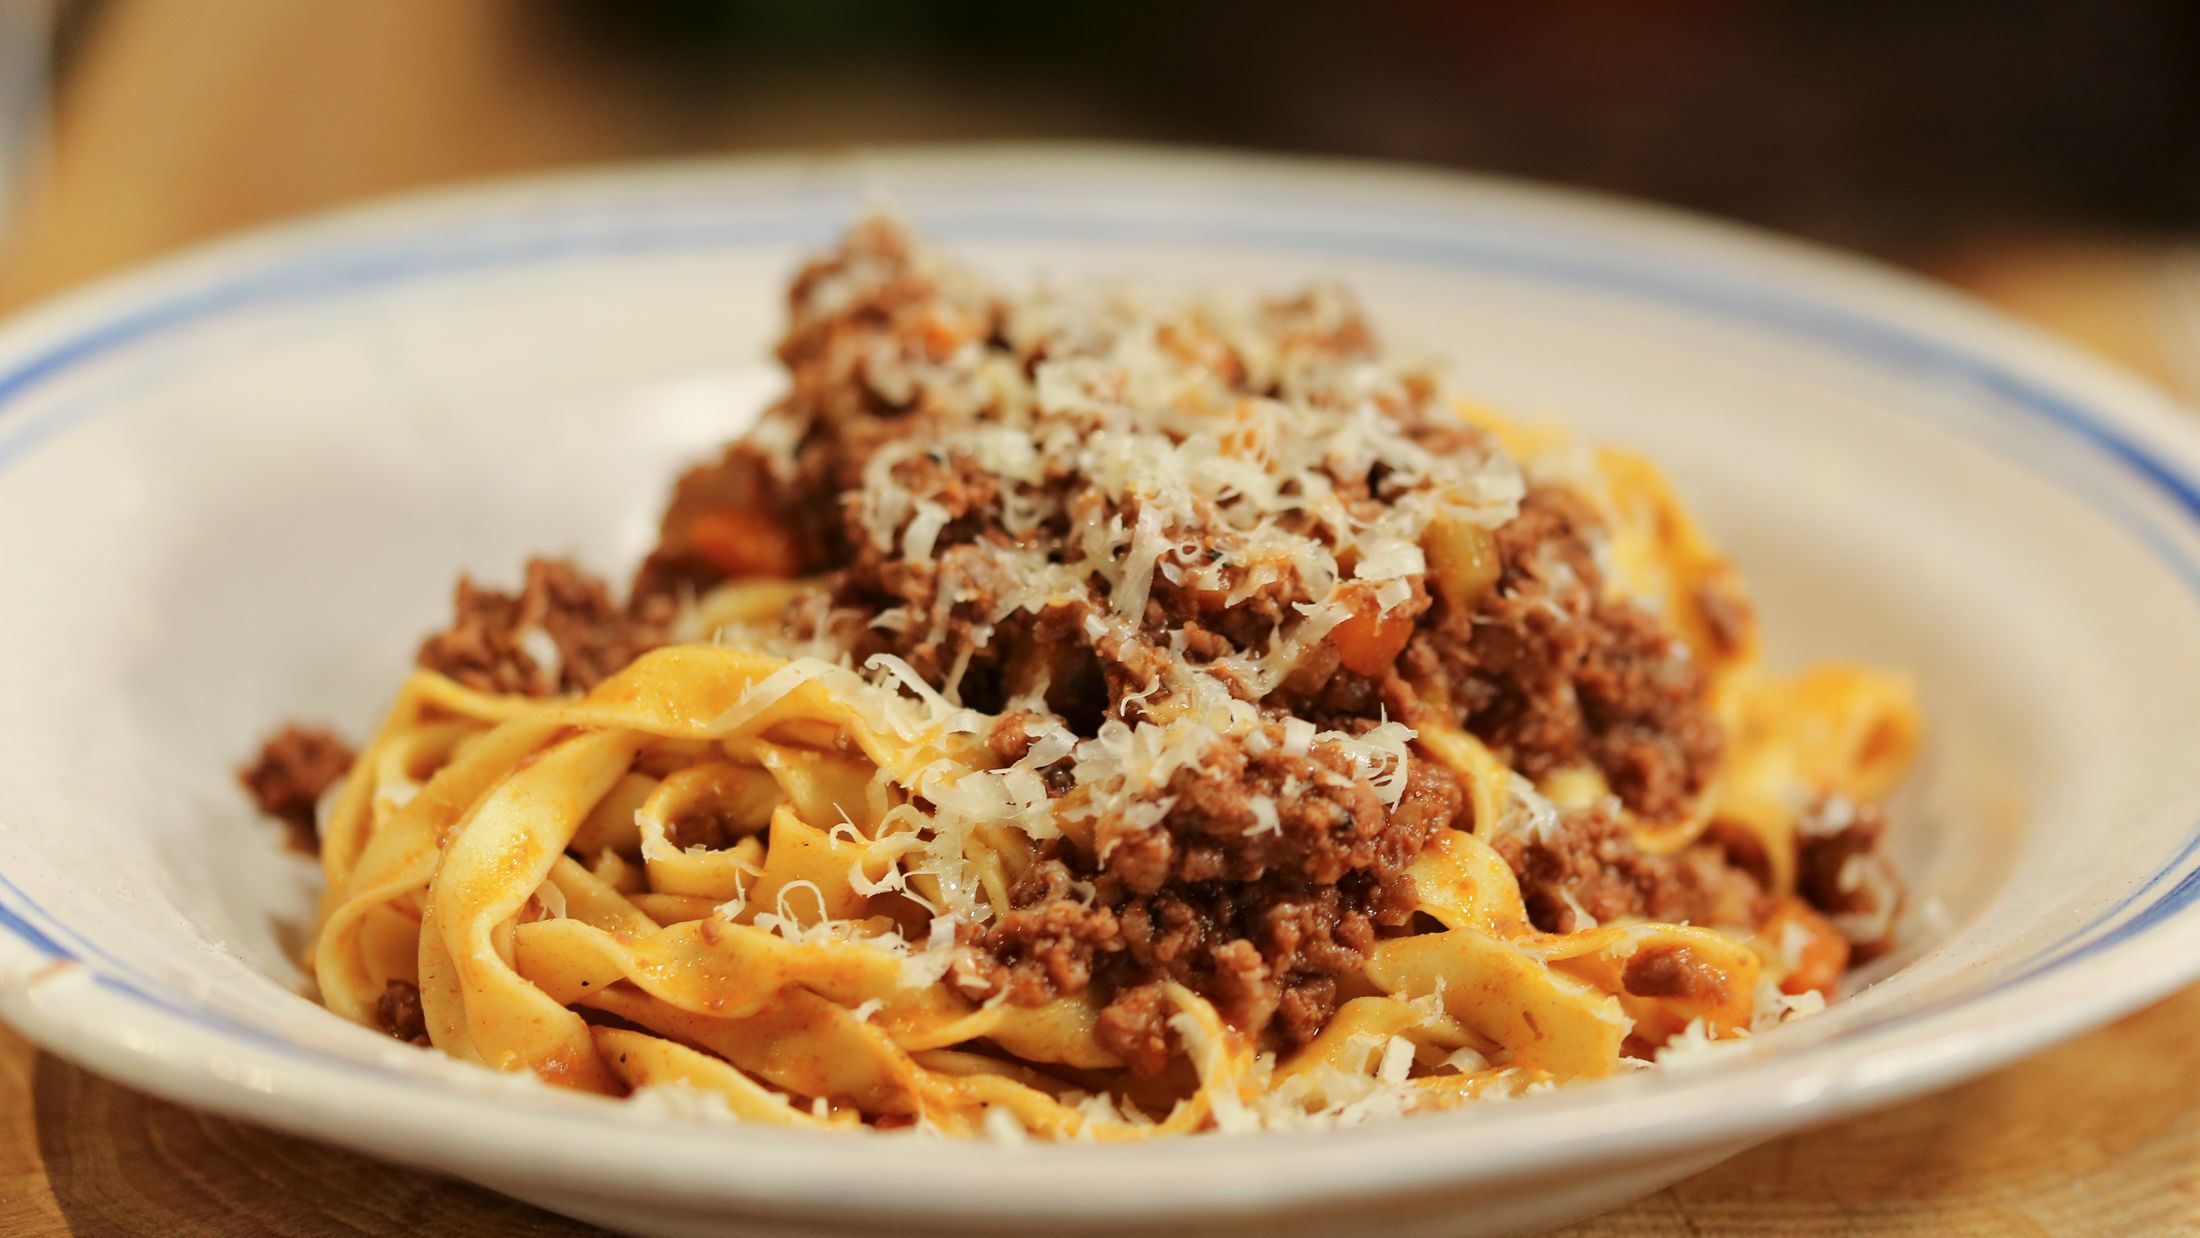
(1550, 671)
(1590, 868)
(1840, 870)
(1264, 921)
(294, 769)
(560, 633)
(398, 1012)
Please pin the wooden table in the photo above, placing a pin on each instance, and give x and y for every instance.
(186, 117)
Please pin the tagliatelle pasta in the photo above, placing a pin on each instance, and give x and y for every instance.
(1070, 717)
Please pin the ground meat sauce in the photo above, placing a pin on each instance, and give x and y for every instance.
(1252, 643)
(398, 1012)
(1841, 871)
(1263, 921)
(1590, 866)
(1673, 971)
(849, 395)
(560, 633)
(295, 768)
(1550, 672)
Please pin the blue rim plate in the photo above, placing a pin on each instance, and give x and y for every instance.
(1956, 379)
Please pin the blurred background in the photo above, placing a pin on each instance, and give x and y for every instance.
(2045, 153)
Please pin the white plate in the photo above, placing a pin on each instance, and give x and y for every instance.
(236, 487)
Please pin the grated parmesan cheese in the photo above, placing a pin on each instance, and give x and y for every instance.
(541, 650)
(1397, 1061)
(1774, 1007)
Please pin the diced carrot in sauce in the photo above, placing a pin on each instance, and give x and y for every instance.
(744, 544)
(942, 337)
(1369, 643)
(1824, 954)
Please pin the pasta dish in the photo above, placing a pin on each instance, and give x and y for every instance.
(1068, 713)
